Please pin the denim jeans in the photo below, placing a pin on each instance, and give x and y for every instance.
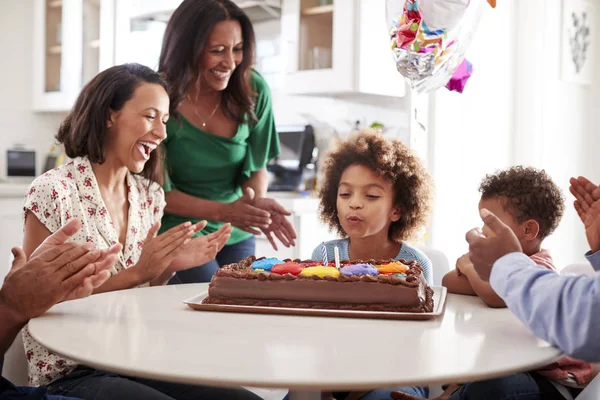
(385, 394)
(229, 254)
(91, 384)
(523, 386)
(8, 391)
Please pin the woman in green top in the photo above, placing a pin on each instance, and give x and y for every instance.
(223, 134)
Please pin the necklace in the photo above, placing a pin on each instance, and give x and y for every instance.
(204, 121)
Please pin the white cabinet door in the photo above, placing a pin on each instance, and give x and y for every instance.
(11, 230)
(73, 40)
(318, 39)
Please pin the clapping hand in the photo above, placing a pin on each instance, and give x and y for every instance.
(280, 226)
(201, 249)
(587, 205)
(56, 271)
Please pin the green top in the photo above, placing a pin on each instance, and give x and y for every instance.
(213, 167)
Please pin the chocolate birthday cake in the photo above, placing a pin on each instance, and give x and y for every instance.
(361, 285)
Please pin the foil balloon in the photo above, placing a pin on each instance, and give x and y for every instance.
(429, 39)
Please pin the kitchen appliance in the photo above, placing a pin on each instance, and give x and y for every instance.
(20, 164)
(297, 145)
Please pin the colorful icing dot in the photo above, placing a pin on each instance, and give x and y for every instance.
(258, 270)
(401, 275)
(289, 267)
(266, 263)
(395, 267)
(320, 271)
(359, 270)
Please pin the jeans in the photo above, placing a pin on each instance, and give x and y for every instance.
(523, 386)
(385, 394)
(8, 391)
(90, 384)
(228, 255)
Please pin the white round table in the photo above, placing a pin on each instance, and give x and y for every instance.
(150, 333)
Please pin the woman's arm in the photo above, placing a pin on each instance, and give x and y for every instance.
(240, 213)
(259, 182)
(188, 206)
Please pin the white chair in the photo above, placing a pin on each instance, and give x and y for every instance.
(583, 268)
(15, 363)
(592, 390)
(439, 263)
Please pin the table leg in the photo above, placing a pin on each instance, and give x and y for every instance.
(304, 395)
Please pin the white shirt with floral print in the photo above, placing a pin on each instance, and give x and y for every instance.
(71, 191)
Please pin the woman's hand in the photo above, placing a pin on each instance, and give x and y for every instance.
(201, 249)
(243, 214)
(160, 251)
(280, 226)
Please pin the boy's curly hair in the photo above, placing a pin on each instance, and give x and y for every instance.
(393, 162)
(528, 193)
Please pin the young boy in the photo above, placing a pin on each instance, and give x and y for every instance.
(530, 203)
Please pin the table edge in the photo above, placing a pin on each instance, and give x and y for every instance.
(356, 385)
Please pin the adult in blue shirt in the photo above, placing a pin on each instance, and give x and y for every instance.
(563, 310)
(55, 272)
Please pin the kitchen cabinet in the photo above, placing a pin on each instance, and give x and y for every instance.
(338, 47)
(73, 40)
(12, 198)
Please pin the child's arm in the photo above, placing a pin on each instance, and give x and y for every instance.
(482, 288)
(458, 283)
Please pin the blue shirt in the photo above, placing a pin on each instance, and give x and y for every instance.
(406, 252)
(563, 310)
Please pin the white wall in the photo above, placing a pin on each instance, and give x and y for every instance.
(471, 133)
(515, 110)
(18, 122)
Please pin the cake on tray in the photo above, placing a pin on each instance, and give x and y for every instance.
(361, 285)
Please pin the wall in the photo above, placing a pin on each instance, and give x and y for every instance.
(470, 134)
(19, 123)
(515, 110)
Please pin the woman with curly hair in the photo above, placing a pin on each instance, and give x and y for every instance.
(376, 195)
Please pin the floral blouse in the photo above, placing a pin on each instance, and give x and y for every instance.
(71, 191)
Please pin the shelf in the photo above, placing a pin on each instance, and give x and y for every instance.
(55, 4)
(55, 49)
(328, 9)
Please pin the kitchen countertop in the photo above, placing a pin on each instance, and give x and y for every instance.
(296, 202)
(14, 189)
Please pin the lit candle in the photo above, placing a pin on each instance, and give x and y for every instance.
(336, 252)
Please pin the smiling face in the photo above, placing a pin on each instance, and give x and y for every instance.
(138, 127)
(223, 52)
(365, 203)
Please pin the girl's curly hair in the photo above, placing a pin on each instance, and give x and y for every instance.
(393, 162)
(528, 193)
